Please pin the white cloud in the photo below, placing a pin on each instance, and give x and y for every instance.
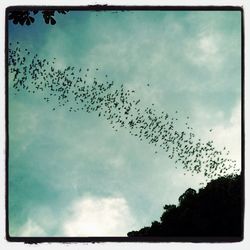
(117, 161)
(229, 135)
(91, 216)
(41, 221)
(207, 45)
(31, 229)
(205, 51)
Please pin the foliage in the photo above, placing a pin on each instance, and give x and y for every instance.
(215, 211)
(27, 16)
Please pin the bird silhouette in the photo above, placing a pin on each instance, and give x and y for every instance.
(77, 91)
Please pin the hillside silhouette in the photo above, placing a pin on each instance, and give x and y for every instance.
(215, 211)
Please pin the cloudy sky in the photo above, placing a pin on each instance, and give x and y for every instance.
(71, 174)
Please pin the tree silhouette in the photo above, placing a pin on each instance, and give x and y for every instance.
(215, 211)
(27, 17)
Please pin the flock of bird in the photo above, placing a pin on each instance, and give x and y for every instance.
(78, 89)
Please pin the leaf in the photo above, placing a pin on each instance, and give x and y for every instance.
(28, 21)
(52, 21)
(22, 21)
(32, 19)
(46, 19)
(62, 11)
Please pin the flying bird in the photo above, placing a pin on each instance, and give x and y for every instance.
(70, 88)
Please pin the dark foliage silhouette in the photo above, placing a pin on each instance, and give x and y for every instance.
(215, 211)
(27, 17)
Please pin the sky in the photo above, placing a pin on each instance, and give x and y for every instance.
(71, 174)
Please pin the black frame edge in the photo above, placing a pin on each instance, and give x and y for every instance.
(106, 7)
(36, 240)
(243, 117)
(6, 128)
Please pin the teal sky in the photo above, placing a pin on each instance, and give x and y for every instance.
(71, 174)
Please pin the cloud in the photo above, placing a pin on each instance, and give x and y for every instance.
(229, 134)
(92, 216)
(205, 50)
(41, 220)
(31, 229)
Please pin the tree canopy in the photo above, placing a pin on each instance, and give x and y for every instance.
(27, 17)
(215, 211)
